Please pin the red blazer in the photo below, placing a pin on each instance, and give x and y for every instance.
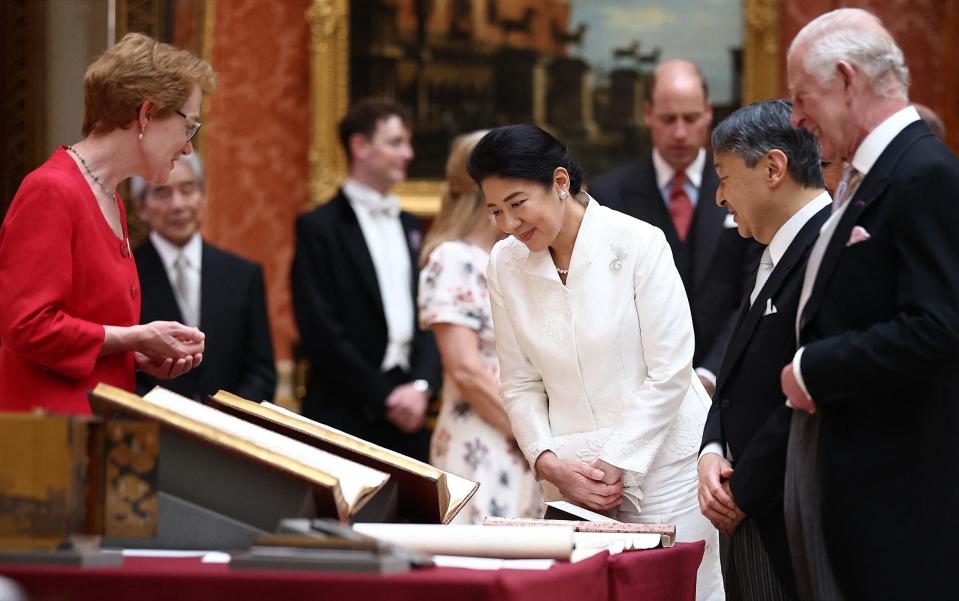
(63, 275)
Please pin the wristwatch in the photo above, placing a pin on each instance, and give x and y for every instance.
(423, 386)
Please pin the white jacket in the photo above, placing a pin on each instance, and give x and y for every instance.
(601, 367)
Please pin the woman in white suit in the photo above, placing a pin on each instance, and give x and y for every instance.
(595, 344)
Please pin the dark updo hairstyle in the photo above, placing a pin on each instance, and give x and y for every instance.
(522, 152)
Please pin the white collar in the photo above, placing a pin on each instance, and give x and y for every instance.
(879, 138)
(168, 251)
(665, 173)
(359, 194)
(785, 235)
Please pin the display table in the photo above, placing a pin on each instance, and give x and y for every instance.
(667, 574)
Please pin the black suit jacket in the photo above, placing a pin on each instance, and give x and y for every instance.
(748, 412)
(881, 361)
(239, 351)
(343, 331)
(714, 262)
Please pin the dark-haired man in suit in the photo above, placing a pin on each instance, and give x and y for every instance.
(675, 189)
(871, 488)
(354, 279)
(186, 279)
(771, 182)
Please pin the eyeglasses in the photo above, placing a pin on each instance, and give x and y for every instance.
(193, 127)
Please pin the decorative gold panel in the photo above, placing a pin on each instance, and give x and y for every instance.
(761, 51)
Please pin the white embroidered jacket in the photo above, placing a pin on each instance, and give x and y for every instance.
(601, 367)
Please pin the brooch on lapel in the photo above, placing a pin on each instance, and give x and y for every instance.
(858, 203)
(618, 255)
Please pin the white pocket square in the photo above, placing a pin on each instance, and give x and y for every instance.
(858, 234)
(770, 308)
(729, 221)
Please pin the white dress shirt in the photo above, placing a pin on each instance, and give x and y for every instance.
(188, 300)
(379, 219)
(777, 248)
(873, 145)
(665, 174)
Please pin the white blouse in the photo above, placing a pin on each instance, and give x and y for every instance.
(601, 367)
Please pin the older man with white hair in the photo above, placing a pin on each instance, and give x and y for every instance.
(871, 492)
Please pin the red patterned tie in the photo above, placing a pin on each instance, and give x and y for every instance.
(680, 206)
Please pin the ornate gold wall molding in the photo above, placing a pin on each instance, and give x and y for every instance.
(329, 22)
(762, 64)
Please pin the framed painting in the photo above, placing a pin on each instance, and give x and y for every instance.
(577, 68)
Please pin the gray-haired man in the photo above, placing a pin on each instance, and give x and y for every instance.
(871, 491)
(771, 182)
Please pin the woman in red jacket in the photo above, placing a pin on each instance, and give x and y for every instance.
(69, 293)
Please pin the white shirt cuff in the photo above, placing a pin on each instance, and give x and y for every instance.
(712, 447)
(705, 373)
(797, 372)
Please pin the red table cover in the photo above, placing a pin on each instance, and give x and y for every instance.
(667, 574)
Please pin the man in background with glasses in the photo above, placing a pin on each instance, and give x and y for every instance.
(185, 279)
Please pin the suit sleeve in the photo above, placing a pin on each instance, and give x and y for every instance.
(521, 384)
(259, 373)
(713, 429)
(757, 481)
(921, 340)
(37, 238)
(666, 334)
(322, 330)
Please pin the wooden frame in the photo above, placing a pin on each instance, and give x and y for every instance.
(329, 91)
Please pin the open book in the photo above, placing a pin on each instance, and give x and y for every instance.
(340, 486)
(425, 494)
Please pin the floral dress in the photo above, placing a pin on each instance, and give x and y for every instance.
(453, 291)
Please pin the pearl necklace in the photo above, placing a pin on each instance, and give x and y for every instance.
(562, 271)
(107, 191)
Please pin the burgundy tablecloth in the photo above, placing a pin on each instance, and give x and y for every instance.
(667, 574)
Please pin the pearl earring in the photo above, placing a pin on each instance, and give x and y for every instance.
(562, 194)
(141, 134)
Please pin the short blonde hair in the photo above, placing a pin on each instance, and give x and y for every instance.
(462, 199)
(136, 69)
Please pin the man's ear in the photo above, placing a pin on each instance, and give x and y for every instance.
(776, 164)
(359, 146)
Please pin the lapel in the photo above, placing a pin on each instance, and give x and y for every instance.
(644, 201)
(707, 225)
(413, 236)
(159, 301)
(750, 316)
(354, 245)
(871, 188)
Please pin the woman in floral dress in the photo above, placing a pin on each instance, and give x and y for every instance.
(472, 438)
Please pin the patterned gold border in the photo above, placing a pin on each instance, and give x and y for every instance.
(329, 91)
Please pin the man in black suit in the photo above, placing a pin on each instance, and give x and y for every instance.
(185, 279)
(354, 280)
(674, 189)
(871, 490)
(771, 182)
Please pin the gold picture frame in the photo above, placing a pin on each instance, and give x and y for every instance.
(329, 22)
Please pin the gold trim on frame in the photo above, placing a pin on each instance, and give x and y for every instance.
(329, 23)
(329, 92)
(761, 50)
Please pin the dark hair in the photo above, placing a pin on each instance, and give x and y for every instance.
(363, 117)
(754, 130)
(522, 152)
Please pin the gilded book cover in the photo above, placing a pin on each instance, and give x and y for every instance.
(426, 494)
(340, 487)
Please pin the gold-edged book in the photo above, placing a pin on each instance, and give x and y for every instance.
(340, 487)
(426, 494)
